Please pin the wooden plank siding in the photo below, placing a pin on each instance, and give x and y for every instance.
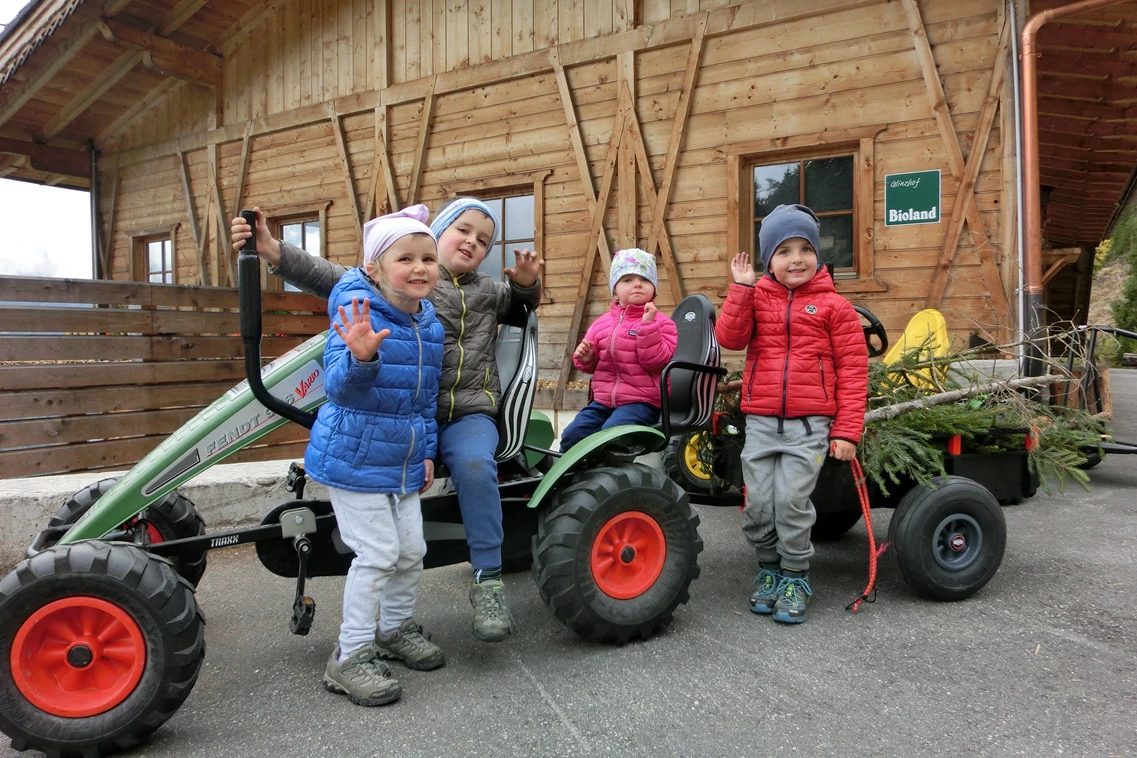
(768, 72)
(141, 360)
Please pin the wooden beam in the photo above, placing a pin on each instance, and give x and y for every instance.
(181, 13)
(107, 251)
(385, 164)
(577, 141)
(420, 150)
(626, 204)
(965, 195)
(123, 122)
(224, 252)
(108, 78)
(55, 160)
(349, 184)
(19, 95)
(242, 170)
(12, 164)
(938, 101)
(164, 55)
(674, 147)
(191, 214)
(246, 24)
(595, 237)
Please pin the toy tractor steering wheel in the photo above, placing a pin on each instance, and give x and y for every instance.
(873, 327)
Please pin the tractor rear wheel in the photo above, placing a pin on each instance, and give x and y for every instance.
(616, 553)
(171, 518)
(101, 643)
(684, 464)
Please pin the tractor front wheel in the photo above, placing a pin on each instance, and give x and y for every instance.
(171, 518)
(617, 552)
(101, 643)
(948, 541)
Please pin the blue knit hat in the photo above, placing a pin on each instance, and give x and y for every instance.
(784, 222)
(632, 261)
(451, 212)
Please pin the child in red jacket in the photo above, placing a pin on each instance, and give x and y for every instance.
(804, 391)
(625, 350)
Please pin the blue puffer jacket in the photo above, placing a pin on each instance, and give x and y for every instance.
(378, 425)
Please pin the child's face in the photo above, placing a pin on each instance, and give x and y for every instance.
(794, 262)
(633, 289)
(463, 246)
(407, 271)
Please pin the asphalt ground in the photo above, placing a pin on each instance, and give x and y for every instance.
(1041, 662)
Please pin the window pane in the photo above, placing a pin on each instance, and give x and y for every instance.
(518, 219)
(156, 277)
(154, 256)
(776, 185)
(167, 255)
(495, 204)
(491, 265)
(312, 237)
(829, 184)
(293, 234)
(289, 288)
(837, 241)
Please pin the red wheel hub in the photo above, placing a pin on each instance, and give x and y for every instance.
(77, 657)
(628, 555)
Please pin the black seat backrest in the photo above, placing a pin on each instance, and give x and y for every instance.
(517, 368)
(692, 394)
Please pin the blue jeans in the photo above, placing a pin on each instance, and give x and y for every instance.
(594, 417)
(466, 447)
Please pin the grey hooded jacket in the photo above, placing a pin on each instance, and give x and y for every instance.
(469, 306)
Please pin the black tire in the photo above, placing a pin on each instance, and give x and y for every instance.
(599, 502)
(165, 644)
(830, 526)
(949, 541)
(681, 465)
(1092, 459)
(173, 517)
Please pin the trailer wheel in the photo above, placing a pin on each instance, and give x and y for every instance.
(682, 464)
(101, 643)
(616, 553)
(948, 542)
(831, 525)
(171, 518)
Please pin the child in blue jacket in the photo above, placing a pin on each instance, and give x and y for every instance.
(373, 445)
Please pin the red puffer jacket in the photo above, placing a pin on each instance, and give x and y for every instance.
(629, 355)
(805, 352)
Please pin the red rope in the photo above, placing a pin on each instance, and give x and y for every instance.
(863, 495)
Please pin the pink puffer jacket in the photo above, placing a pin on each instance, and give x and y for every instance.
(628, 355)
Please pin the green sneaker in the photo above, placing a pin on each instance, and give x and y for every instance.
(412, 646)
(362, 677)
(793, 594)
(492, 620)
(765, 589)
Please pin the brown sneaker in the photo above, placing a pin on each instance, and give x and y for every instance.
(362, 677)
(412, 646)
(492, 620)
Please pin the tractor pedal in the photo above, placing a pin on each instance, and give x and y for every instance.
(303, 612)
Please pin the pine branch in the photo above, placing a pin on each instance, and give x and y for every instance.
(949, 397)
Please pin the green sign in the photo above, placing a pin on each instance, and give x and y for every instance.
(912, 198)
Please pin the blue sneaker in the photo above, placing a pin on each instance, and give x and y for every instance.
(765, 589)
(792, 596)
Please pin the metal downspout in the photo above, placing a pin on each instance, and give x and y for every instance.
(1032, 210)
(96, 242)
(1016, 82)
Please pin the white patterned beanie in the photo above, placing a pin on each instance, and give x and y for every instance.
(632, 261)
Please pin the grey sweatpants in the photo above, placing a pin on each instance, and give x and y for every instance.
(780, 471)
(385, 531)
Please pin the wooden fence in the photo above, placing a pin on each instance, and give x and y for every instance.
(94, 374)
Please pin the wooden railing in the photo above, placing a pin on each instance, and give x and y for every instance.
(94, 374)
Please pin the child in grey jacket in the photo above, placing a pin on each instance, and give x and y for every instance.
(470, 305)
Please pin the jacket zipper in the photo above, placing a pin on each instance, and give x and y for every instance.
(786, 368)
(418, 386)
(821, 368)
(461, 350)
(486, 388)
(612, 354)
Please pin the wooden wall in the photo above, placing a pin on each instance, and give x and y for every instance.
(766, 71)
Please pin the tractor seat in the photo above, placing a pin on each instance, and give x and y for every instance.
(517, 369)
(689, 402)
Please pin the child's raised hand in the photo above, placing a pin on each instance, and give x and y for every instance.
(741, 269)
(842, 450)
(584, 352)
(360, 338)
(649, 312)
(526, 267)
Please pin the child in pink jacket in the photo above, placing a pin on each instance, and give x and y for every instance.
(625, 350)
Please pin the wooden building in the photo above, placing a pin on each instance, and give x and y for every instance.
(671, 125)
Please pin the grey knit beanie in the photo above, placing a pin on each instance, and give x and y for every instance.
(784, 222)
